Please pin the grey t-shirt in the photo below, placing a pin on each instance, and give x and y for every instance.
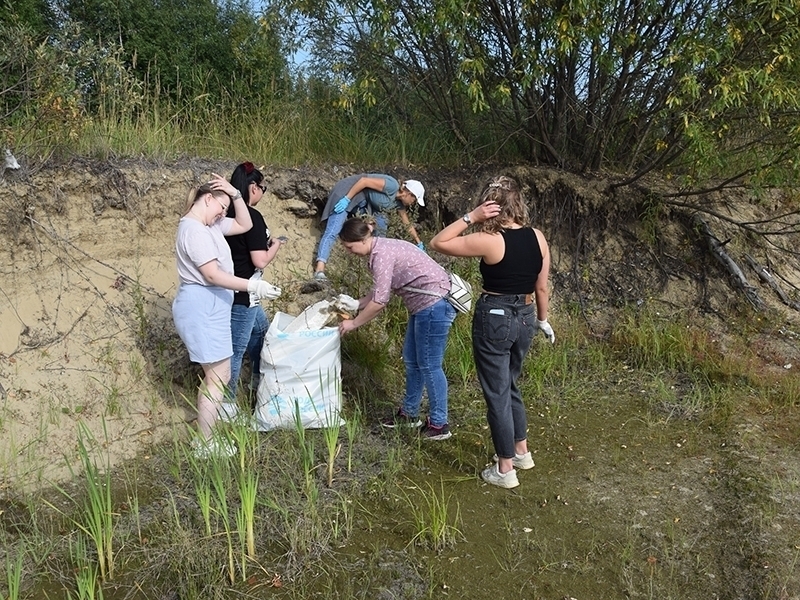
(197, 244)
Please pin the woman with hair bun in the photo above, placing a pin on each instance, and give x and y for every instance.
(251, 251)
(515, 266)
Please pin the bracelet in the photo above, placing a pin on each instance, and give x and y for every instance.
(237, 195)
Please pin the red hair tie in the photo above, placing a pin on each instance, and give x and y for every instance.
(248, 168)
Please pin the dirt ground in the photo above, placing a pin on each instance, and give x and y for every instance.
(88, 277)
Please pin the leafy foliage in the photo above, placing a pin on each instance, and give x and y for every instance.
(47, 87)
(700, 86)
(183, 43)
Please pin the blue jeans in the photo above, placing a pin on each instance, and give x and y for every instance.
(502, 331)
(248, 328)
(423, 355)
(334, 226)
(328, 239)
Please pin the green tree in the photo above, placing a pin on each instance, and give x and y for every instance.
(182, 43)
(37, 15)
(702, 87)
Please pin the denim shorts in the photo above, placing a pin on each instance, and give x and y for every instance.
(202, 316)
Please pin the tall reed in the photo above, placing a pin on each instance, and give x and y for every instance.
(202, 490)
(97, 516)
(14, 572)
(330, 434)
(248, 495)
(219, 483)
(352, 426)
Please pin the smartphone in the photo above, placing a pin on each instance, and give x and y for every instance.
(283, 238)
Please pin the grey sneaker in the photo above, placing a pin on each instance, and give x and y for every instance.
(401, 419)
(520, 461)
(320, 276)
(504, 480)
(429, 432)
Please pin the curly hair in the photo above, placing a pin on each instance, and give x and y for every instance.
(505, 191)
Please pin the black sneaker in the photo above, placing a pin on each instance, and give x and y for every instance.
(429, 432)
(401, 419)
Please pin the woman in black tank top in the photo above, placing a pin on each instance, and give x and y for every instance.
(515, 266)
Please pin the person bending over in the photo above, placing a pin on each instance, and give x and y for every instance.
(399, 267)
(366, 194)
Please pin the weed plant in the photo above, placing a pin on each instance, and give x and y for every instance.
(353, 425)
(14, 564)
(96, 520)
(330, 434)
(245, 516)
(435, 522)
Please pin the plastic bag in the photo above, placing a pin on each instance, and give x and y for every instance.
(300, 376)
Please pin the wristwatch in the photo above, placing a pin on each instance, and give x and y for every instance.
(466, 219)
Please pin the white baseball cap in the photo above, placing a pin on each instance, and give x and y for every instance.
(415, 187)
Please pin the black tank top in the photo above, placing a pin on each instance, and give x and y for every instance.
(517, 271)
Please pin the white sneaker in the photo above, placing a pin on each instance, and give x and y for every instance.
(213, 448)
(504, 480)
(520, 461)
(228, 412)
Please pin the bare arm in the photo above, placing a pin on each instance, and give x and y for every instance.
(407, 222)
(242, 222)
(450, 240)
(261, 258)
(540, 289)
(216, 276)
(371, 310)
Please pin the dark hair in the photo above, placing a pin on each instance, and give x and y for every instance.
(355, 229)
(505, 191)
(243, 175)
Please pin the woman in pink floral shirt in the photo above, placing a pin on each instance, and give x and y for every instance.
(400, 267)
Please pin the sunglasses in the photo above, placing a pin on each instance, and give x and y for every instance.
(262, 187)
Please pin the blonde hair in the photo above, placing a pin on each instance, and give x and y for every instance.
(198, 192)
(505, 191)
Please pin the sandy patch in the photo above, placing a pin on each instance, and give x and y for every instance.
(89, 262)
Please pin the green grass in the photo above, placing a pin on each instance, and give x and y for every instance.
(435, 515)
(292, 507)
(96, 515)
(290, 132)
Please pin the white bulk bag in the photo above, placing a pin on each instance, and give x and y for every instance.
(300, 371)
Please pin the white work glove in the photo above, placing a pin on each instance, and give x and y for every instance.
(347, 303)
(547, 330)
(254, 298)
(262, 289)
